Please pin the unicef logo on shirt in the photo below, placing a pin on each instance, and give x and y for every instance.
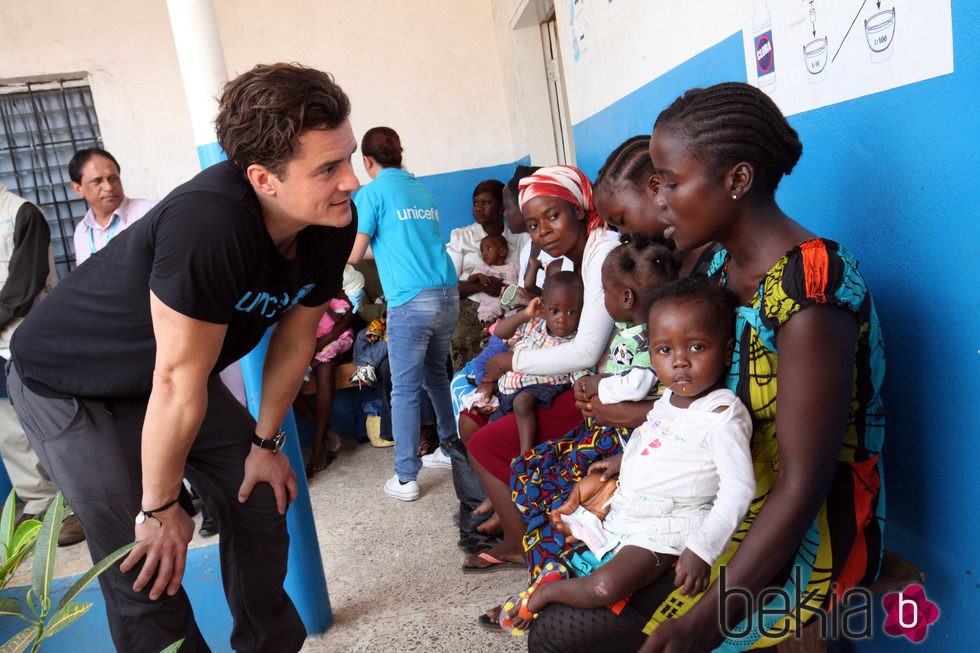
(269, 305)
(415, 213)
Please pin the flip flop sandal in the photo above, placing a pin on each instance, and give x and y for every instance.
(490, 623)
(494, 564)
(474, 543)
(516, 606)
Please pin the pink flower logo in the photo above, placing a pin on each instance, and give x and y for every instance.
(909, 613)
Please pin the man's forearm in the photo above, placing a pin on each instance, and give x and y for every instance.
(173, 419)
(282, 377)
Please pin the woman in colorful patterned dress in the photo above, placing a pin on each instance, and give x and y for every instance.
(806, 325)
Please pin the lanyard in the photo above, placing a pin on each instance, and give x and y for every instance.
(113, 227)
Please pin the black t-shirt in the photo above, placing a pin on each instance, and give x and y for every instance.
(204, 252)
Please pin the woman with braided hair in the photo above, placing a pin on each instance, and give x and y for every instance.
(624, 192)
(806, 325)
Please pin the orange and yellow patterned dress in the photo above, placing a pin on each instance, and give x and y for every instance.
(842, 549)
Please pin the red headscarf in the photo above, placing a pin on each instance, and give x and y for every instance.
(564, 182)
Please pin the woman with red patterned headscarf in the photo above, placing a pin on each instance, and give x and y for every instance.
(557, 205)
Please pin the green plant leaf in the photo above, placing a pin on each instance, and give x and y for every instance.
(96, 569)
(10, 606)
(63, 617)
(7, 523)
(46, 547)
(8, 568)
(20, 641)
(23, 540)
(24, 536)
(173, 648)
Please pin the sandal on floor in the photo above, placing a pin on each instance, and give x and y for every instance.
(474, 543)
(490, 620)
(493, 564)
(516, 606)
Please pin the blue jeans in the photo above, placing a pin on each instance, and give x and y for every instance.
(419, 334)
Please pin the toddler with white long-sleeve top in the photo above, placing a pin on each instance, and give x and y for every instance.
(685, 477)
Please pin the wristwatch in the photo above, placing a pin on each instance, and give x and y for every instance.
(273, 444)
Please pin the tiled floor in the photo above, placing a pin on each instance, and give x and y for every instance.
(393, 568)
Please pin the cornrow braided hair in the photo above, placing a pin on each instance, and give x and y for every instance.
(643, 263)
(732, 122)
(630, 162)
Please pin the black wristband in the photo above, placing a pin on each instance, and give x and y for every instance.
(149, 513)
(143, 515)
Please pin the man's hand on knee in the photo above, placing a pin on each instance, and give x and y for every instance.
(163, 538)
(263, 465)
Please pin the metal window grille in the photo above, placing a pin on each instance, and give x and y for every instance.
(42, 124)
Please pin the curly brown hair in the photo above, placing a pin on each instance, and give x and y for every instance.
(262, 113)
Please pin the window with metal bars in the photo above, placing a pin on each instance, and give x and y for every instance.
(42, 124)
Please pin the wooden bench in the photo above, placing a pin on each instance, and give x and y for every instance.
(896, 574)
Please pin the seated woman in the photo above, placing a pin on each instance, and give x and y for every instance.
(556, 202)
(807, 326)
(627, 172)
(475, 512)
(464, 250)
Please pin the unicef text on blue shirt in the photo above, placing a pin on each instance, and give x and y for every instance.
(415, 213)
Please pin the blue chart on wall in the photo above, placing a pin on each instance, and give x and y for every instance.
(810, 53)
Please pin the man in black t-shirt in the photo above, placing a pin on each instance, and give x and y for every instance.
(115, 378)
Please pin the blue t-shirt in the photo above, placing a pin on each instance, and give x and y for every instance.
(398, 213)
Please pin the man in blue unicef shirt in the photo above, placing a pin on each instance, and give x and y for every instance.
(115, 374)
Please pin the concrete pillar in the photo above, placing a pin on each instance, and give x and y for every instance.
(202, 68)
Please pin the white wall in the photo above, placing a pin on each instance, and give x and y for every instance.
(525, 79)
(431, 70)
(127, 50)
(628, 43)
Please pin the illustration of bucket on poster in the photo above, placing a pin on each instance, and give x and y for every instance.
(810, 53)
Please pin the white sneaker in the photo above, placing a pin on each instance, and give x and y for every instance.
(364, 374)
(437, 460)
(402, 491)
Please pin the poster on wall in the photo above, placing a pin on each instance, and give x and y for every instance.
(583, 48)
(810, 53)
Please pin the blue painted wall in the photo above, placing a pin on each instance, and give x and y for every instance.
(453, 192)
(893, 176)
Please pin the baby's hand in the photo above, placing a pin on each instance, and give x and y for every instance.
(487, 389)
(566, 508)
(533, 308)
(588, 386)
(691, 573)
(607, 467)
